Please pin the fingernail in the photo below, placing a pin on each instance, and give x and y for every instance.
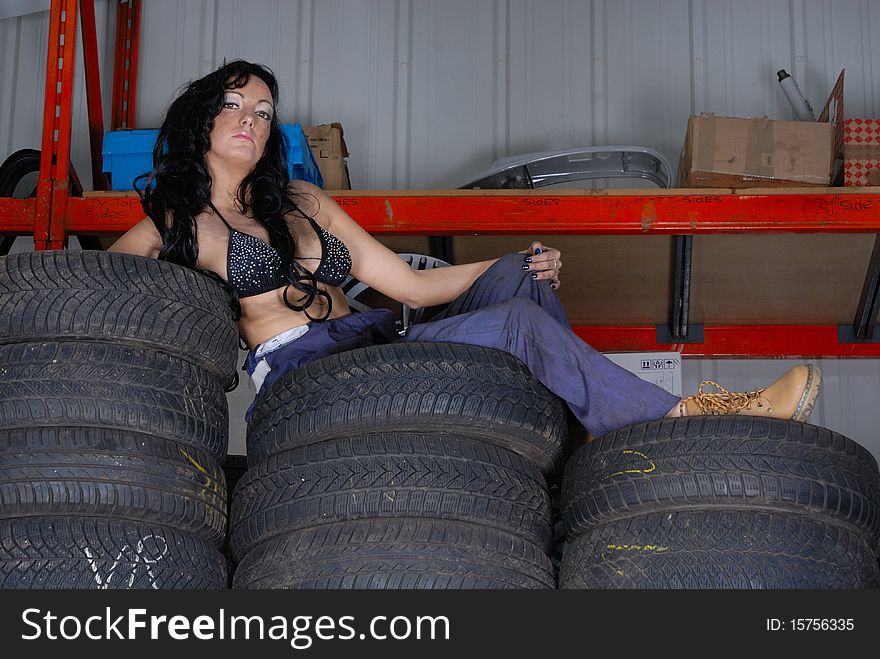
(534, 275)
(526, 267)
(538, 250)
(528, 259)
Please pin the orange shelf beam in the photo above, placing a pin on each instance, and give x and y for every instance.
(475, 212)
(838, 210)
(731, 341)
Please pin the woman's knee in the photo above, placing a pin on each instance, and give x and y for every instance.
(511, 265)
(521, 309)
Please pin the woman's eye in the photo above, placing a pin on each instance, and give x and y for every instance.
(265, 115)
(230, 104)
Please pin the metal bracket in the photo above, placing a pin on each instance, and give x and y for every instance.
(865, 323)
(846, 334)
(681, 288)
(694, 335)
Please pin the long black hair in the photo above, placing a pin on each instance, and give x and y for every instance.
(179, 186)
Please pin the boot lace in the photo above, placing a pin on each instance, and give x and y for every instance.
(724, 401)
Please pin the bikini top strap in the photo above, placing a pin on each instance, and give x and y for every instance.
(317, 227)
(223, 219)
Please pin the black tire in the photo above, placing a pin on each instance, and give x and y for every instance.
(19, 173)
(18, 179)
(110, 386)
(396, 554)
(119, 298)
(390, 475)
(701, 549)
(100, 473)
(725, 462)
(93, 553)
(428, 388)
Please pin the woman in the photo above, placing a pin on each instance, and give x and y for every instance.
(219, 200)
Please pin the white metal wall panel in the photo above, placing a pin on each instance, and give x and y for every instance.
(23, 45)
(838, 35)
(452, 85)
(744, 44)
(22, 80)
(430, 91)
(177, 42)
(351, 66)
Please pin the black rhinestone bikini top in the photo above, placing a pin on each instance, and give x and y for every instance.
(254, 266)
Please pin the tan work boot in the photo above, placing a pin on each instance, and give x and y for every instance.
(791, 397)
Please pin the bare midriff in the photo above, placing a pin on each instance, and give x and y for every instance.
(264, 316)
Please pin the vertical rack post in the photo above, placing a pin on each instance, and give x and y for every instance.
(128, 22)
(93, 91)
(52, 196)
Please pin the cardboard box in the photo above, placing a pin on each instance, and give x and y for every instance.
(660, 368)
(734, 152)
(861, 149)
(328, 147)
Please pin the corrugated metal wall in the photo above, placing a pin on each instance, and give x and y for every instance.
(430, 91)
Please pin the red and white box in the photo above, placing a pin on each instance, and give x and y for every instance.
(861, 150)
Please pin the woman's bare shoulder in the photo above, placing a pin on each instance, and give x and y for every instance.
(307, 197)
(142, 239)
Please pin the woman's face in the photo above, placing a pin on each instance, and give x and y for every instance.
(241, 129)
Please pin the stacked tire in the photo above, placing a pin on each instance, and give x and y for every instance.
(410, 465)
(721, 502)
(113, 422)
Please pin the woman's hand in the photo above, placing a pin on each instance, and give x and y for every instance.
(544, 263)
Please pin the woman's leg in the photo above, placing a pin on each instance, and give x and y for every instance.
(508, 310)
(602, 395)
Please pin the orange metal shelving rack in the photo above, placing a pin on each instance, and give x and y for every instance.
(54, 214)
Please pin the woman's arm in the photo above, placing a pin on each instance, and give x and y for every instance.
(380, 268)
(142, 239)
(442, 285)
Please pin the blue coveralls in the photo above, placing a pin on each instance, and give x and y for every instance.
(507, 310)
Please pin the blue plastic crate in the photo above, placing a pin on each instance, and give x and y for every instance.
(301, 164)
(129, 153)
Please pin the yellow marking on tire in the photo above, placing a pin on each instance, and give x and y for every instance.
(211, 482)
(636, 471)
(637, 548)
